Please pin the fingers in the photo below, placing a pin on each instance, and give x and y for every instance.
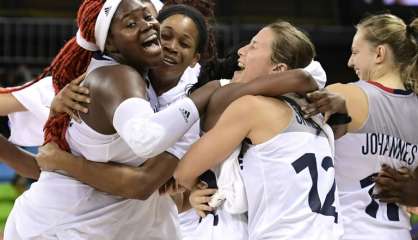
(78, 93)
(203, 208)
(74, 105)
(316, 95)
(319, 102)
(387, 183)
(199, 198)
(201, 214)
(79, 79)
(402, 174)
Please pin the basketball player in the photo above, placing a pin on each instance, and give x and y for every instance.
(288, 156)
(384, 53)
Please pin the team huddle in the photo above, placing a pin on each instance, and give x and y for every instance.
(146, 134)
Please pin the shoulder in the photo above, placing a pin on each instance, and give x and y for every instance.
(117, 78)
(345, 89)
(114, 72)
(257, 107)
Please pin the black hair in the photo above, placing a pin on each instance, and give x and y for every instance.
(193, 14)
(218, 68)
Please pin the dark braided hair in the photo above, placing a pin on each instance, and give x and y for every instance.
(206, 7)
(216, 69)
(71, 62)
(68, 64)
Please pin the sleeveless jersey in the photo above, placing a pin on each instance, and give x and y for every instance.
(290, 185)
(390, 137)
(60, 206)
(189, 219)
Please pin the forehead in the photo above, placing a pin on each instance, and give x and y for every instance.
(264, 37)
(358, 39)
(181, 24)
(128, 6)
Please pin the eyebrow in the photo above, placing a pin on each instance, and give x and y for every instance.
(185, 35)
(130, 12)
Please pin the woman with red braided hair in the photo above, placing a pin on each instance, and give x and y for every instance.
(120, 126)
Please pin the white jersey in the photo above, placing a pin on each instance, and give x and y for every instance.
(188, 220)
(290, 186)
(392, 139)
(26, 128)
(60, 207)
(188, 78)
(362, 216)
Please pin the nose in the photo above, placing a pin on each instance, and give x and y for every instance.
(170, 46)
(350, 62)
(151, 24)
(242, 51)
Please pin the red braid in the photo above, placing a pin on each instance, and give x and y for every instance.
(71, 62)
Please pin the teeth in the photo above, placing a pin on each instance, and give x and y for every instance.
(169, 60)
(151, 38)
(241, 65)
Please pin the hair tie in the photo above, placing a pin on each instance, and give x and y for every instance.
(412, 33)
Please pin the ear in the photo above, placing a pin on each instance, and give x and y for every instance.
(280, 67)
(381, 52)
(110, 46)
(196, 59)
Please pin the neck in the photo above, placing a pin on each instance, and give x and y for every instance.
(138, 67)
(162, 85)
(391, 79)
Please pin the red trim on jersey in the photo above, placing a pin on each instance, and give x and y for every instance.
(390, 90)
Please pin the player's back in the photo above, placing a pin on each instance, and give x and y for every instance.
(391, 138)
(290, 185)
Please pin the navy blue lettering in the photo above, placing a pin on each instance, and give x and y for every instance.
(380, 139)
(402, 148)
(365, 149)
(413, 151)
(373, 143)
(386, 145)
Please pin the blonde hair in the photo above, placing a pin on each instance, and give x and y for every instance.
(290, 45)
(401, 38)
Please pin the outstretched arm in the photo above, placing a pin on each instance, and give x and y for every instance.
(23, 162)
(340, 98)
(117, 179)
(273, 85)
(9, 104)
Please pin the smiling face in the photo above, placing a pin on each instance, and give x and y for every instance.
(255, 57)
(179, 40)
(362, 56)
(134, 35)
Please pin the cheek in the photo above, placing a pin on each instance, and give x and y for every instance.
(188, 56)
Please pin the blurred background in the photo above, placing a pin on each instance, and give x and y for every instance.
(32, 31)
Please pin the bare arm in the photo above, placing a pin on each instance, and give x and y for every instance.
(117, 179)
(233, 127)
(340, 98)
(273, 85)
(23, 162)
(357, 104)
(9, 104)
